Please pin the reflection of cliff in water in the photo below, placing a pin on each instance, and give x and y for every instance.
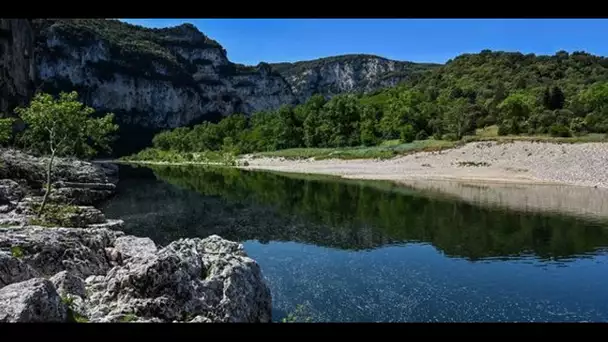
(246, 205)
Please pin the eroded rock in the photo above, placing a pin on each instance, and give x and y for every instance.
(212, 278)
(52, 250)
(68, 284)
(135, 247)
(13, 270)
(33, 300)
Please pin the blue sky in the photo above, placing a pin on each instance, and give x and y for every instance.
(250, 41)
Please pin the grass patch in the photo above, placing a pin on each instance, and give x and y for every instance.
(128, 318)
(73, 316)
(490, 133)
(154, 155)
(55, 215)
(386, 150)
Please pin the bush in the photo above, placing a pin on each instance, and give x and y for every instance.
(450, 137)
(559, 131)
(503, 129)
(422, 135)
(407, 134)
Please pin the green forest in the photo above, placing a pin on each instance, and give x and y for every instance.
(564, 95)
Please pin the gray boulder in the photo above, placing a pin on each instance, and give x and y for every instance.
(78, 182)
(68, 284)
(207, 280)
(135, 247)
(10, 192)
(34, 300)
(13, 270)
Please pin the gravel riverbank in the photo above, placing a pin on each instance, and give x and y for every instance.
(584, 164)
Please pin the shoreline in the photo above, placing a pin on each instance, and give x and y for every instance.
(518, 162)
(525, 163)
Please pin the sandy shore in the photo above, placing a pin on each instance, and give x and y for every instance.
(517, 162)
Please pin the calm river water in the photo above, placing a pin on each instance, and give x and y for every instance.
(361, 251)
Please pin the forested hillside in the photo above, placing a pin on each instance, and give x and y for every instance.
(560, 95)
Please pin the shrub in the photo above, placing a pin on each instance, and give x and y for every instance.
(559, 131)
(407, 134)
(422, 135)
(450, 137)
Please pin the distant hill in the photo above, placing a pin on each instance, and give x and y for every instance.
(356, 73)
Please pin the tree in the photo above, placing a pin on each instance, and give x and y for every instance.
(6, 130)
(64, 127)
(514, 110)
(557, 99)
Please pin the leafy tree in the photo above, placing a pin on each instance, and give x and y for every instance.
(6, 130)
(368, 125)
(407, 133)
(63, 126)
(459, 119)
(515, 109)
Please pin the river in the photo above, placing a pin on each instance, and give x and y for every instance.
(373, 251)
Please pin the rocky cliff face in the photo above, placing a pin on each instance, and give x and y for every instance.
(16, 63)
(346, 74)
(151, 79)
(154, 79)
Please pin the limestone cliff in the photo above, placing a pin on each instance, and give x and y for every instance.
(347, 73)
(151, 78)
(154, 79)
(16, 63)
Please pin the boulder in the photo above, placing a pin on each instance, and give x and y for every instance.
(135, 247)
(10, 192)
(208, 280)
(68, 284)
(33, 300)
(78, 182)
(13, 270)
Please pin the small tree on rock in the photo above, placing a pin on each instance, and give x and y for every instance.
(63, 126)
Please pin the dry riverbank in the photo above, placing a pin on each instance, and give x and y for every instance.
(584, 164)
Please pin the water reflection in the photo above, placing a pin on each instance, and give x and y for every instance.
(344, 214)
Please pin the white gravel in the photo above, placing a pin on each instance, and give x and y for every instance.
(584, 164)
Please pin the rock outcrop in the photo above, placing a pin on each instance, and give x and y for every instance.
(17, 64)
(76, 181)
(346, 74)
(190, 280)
(210, 280)
(80, 267)
(34, 300)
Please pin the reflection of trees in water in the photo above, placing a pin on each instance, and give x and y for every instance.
(245, 205)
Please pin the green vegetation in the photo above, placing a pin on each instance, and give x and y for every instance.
(501, 95)
(73, 316)
(128, 318)
(6, 130)
(63, 127)
(297, 316)
(56, 215)
(16, 252)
